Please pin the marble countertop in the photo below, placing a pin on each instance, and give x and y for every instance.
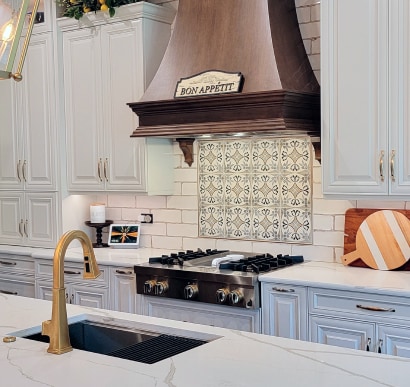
(105, 256)
(338, 276)
(221, 362)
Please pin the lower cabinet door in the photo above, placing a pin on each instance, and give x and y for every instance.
(214, 315)
(88, 296)
(123, 289)
(284, 311)
(393, 340)
(343, 333)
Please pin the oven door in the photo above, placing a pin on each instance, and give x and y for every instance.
(248, 320)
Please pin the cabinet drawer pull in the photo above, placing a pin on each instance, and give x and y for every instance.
(375, 308)
(393, 155)
(369, 343)
(379, 347)
(21, 227)
(25, 228)
(99, 169)
(124, 271)
(381, 165)
(8, 263)
(72, 272)
(18, 170)
(8, 292)
(105, 169)
(283, 290)
(23, 169)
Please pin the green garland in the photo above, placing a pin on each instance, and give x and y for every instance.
(77, 8)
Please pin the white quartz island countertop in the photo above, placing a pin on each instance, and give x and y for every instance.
(234, 359)
(338, 276)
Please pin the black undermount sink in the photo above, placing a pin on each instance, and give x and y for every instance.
(132, 344)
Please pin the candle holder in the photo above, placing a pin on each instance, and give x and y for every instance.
(99, 227)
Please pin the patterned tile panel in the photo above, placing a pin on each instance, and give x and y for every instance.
(256, 189)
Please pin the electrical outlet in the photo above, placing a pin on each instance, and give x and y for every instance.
(147, 218)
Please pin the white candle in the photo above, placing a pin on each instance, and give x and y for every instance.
(97, 213)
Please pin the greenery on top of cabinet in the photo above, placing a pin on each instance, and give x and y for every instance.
(77, 8)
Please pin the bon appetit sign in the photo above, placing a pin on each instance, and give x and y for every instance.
(208, 83)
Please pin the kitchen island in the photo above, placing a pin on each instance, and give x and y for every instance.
(234, 358)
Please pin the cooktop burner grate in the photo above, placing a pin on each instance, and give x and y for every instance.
(180, 257)
(157, 349)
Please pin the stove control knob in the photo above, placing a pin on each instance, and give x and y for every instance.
(161, 288)
(149, 286)
(222, 295)
(190, 291)
(235, 297)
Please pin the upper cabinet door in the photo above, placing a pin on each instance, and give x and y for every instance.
(354, 87)
(83, 108)
(399, 96)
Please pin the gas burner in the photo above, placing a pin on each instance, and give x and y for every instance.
(182, 256)
(261, 263)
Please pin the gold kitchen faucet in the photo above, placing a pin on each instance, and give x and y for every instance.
(57, 327)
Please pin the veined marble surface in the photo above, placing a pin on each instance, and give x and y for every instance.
(338, 276)
(270, 361)
(105, 256)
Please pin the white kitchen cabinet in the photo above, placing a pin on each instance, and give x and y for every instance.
(284, 311)
(360, 320)
(16, 275)
(365, 69)
(93, 293)
(247, 320)
(108, 63)
(28, 218)
(123, 289)
(28, 144)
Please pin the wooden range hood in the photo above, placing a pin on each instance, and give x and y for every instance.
(258, 38)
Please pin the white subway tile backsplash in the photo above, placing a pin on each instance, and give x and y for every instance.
(303, 14)
(151, 201)
(314, 253)
(121, 201)
(335, 207)
(182, 230)
(182, 202)
(167, 216)
(190, 217)
(387, 204)
(328, 238)
(186, 174)
(339, 223)
(310, 30)
(323, 222)
(167, 243)
(189, 188)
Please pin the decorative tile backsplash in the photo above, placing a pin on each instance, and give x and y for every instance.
(256, 188)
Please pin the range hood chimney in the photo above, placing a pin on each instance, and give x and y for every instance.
(259, 39)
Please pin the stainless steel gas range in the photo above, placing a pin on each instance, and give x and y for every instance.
(227, 280)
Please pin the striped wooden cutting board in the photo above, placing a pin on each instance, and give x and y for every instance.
(382, 241)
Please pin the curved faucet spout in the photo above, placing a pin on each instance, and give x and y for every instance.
(57, 327)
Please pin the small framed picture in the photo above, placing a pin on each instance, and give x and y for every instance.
(124, 235)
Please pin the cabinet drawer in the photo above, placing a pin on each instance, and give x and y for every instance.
(73, 271)
(16, 263)
(18, 286)
(325, 301)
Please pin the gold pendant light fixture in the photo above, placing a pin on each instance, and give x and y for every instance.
(13, 14)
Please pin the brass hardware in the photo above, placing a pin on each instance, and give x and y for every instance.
(381, 165)
(57, 327)
(99, 169)
(105, 169)
(9, 339)
(23, 170)
(393, 155)
(25, 228)
(380, 345)
(21, 227)
(375, 308)
(18, 170)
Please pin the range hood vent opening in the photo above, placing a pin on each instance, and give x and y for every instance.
(259, 39)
